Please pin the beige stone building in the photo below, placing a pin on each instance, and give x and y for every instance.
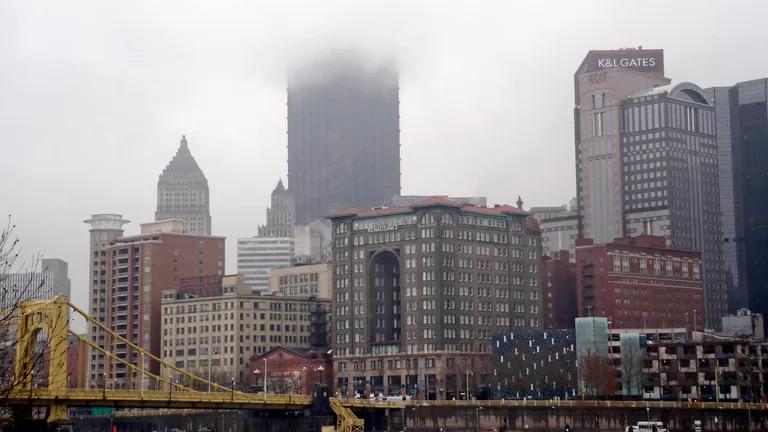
(215, 334)
(302, 280)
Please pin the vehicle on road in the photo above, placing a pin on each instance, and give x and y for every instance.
(647, 426)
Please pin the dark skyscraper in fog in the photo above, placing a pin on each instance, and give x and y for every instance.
(742, 140)
(343, 136)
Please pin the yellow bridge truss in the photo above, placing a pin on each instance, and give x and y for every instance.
(52, 316)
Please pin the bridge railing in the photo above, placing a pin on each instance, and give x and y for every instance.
(554, 404)
(128, 398)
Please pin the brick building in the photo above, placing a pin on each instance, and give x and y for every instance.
(638, 282)
(426, 285)
(558, 290)
(139, 268)
(291, 370)
(77, 362)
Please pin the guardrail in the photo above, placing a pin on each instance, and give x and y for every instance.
(555, 404)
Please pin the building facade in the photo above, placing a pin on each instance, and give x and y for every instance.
(742, 136)
(535, 364)
(182, 192)
(604, 79)
(559, 302)
(281, 214)
(436, 277)
(559, 228)
(675, 364)
(637, 282)
(77, 362)
(301, 280)
(215, 335)
(647, 161)
(343, 136)
(51, 280)
(290, 370)
(257, 256)
(105, 227)
(139, 269)
(744, 324)
(407, 200)
(670, 178)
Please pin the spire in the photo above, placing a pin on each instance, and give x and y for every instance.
(183, 143)
(279, 187)
(519, 202)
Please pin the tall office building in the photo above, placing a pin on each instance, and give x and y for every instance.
(647, 161)
(105, 227)
(281, 214)
(427, 286)
(670, 178)
(343, 136)
(742, 143)
(182, 192)
(602, 82)
(51, 280)
(257, 256)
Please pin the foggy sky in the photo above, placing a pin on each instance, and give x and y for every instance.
(94, 97)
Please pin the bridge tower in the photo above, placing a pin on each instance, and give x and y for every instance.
(34, 317)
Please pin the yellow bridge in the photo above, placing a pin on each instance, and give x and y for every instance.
(31, 317)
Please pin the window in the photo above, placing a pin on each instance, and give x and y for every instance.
(597, 124)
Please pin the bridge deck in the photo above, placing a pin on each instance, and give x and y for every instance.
(159, 399)
(258, 401)
(555, 404)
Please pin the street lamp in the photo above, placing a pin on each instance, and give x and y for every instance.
(256, 373)
(321, 369)
(233, 389)
(695, 325)
(477, 426)
(104, 385)
(215, 351)
(265, 379)
(468, 374)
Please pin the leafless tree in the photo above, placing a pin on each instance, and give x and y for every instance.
(598, 377)
(632, 356)
(19, 281)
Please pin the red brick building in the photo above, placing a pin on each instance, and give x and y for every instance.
(559, 291)
(291, 370)
(140, 267)
(638, 282)
(77, 363)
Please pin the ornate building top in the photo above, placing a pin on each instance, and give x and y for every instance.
(182, 192)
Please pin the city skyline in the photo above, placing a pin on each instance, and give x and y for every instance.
(234, 143)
